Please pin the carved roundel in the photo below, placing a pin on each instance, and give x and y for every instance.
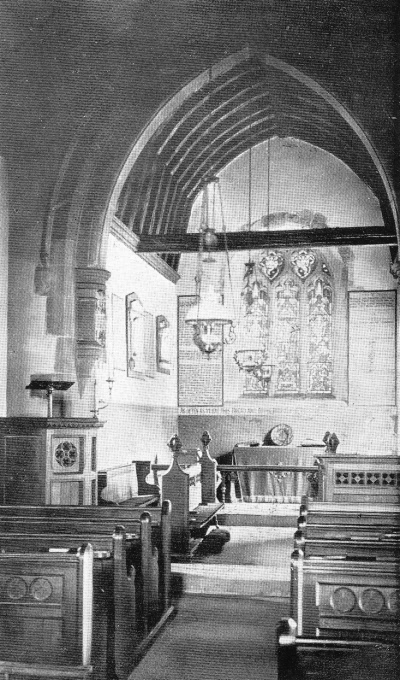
(41, 589)
(372, 601)
(343, 600)
(394, 601)
(16, 588)
(66, 454)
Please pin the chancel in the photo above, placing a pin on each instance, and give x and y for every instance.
(199, 393)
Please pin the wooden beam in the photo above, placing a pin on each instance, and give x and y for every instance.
(259, 240)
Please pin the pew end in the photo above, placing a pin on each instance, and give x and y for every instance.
(46, 614)
(303, 658)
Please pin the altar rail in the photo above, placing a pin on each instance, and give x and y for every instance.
(279, 476)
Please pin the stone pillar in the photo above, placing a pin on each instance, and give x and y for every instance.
(91, 320)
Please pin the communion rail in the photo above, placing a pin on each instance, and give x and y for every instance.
(280, 482)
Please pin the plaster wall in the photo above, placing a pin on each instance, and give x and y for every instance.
(31, 349)
(3, 285)
(303, 178)
(142, 413)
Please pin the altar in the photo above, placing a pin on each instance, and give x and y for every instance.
(275, 486)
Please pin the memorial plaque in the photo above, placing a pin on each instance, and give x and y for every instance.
(372, 347)
(200, 377)
(118, 331)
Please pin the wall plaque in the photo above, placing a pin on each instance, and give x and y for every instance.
(200, 378)
(118, 333)
(372, 347)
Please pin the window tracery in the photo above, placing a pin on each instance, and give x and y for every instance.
(300, 289)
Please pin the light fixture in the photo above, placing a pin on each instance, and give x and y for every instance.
(208, 316)
(252, 354)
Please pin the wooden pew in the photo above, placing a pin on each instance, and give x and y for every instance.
(303, 658)
(353, 530)
(356, 513)
(97, 524)
(348, 547)
(345, 599)
(190, 484)
(46, 614)
(344, 592)
(126, 603)
(126, 485)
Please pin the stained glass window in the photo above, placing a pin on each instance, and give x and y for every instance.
(287, 334)
(300, 337)
(319, 295)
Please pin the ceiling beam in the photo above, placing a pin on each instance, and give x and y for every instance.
(258, 240)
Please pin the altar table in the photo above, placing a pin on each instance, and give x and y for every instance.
(273, 487)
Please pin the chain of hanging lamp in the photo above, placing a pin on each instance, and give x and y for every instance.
(209, 316)
(252, 353)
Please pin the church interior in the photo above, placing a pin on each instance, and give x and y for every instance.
(199, 393)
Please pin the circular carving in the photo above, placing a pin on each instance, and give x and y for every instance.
(41, 589)
(66, 454)
(394, 601)
(16, 588)
(372, 601)
(343, 600)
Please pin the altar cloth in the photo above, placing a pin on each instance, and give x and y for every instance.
(274, 487)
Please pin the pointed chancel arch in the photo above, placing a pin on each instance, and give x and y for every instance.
(143, 169)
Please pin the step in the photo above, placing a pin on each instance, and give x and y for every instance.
(240, 580)
(255, 562)
(259, 514)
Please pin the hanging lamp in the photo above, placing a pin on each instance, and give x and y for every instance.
(208, 316)
(252, 354)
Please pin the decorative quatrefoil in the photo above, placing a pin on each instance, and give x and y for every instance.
(66, 454)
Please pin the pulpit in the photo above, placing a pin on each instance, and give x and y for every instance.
(275, 486)
(48, 461)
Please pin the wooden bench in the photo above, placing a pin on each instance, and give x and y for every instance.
(345, 599)
(348, 546)
(97, 524)
(147, 558)
(353, 530)
(126, 485)
(357, 513)
(303, 658)
(46, 614)
(190, 484)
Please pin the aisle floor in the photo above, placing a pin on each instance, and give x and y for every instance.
(227, 614)
(216, 638)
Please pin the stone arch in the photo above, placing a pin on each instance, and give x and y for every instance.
(108, 146)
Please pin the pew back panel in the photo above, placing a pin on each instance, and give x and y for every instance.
(46, 608)
(352, 600)
(54, 526)
(301, 658)
(368, 550)
(356, 514)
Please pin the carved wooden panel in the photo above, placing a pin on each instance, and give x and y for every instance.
(24, 471)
